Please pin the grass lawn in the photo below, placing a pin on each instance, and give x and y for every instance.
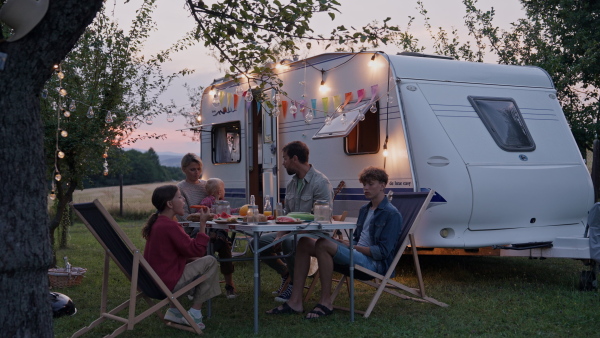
(488, 296)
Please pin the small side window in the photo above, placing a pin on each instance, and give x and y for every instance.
(504, 121)
(364, 137)
(226, 143)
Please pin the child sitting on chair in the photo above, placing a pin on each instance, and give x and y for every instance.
(215, 189)
(168, 248)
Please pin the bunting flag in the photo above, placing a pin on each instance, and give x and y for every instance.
(336, 102)
(284, 106)
(222, 98)
(258, 106)
(361, 95)
(236, 99)
(325, 105)
(347, 99)
(229, 99)
(374, 92)
(313, 102)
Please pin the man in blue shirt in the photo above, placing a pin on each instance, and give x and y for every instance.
(378, 228)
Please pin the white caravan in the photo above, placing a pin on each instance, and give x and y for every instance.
(490, 139)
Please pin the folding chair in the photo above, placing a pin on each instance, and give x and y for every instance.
(145, 282)
(412, 206)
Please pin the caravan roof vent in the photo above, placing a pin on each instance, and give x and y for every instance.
(423, 55)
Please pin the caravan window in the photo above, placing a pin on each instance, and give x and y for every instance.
(226, 143)
(364, 137)
(504, 121)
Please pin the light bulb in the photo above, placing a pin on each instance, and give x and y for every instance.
(373, 109)
(275, 112)
(239, 90)
(67, 113)
(52, 195)
(72, 106)
(293, 108)
(343, 118)
(212, 91)
(390, 99)
(361, 117)
(149, 120)
(199, 118)
(57, 177)
(105, 155)
(105, 164)
(309, 116)
(60, 75)
(339, 109)
(62, 92)
(109, 118)
(105, 172)
(90, 112)
(249, 96)
(64, 133)
(215, 101)
(170, 117)
(61, 154)
(328, 120)
(385, 152)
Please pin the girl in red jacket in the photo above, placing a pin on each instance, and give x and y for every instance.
(168, 250)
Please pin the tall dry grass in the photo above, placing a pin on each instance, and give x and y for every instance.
(136, 198)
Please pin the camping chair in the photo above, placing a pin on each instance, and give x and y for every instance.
(412, 206)
(145, 282)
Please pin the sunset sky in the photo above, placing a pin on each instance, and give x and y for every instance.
(173, 21)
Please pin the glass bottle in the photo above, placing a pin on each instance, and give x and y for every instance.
(268, 209)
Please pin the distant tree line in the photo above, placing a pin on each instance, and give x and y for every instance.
(136, 167)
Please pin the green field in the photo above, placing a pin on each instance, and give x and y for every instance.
(487, 296)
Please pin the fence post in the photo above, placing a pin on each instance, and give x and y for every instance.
(121, 195)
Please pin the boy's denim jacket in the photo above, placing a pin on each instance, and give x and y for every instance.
(386, 226)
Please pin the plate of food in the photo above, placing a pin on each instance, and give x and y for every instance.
(227, 220)
(288, 220)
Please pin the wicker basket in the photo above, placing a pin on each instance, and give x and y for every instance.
(60, 278)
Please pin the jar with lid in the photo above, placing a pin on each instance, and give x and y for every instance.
(322, 211)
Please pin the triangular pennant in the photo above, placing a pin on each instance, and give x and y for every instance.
(336, 102)
(361, 95)
(236, 99)
(374, 92)
(347, 99)
(229, 99)
(325, 105)
(284, 106)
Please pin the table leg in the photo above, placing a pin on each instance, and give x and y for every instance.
(256, 280)
(351, 278)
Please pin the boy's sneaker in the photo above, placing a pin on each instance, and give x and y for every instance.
(173, 315)
(230, 291)
(283, 281)
(198, 320)
(285, 295)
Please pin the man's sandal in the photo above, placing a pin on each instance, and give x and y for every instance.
(285, 309)
(320, 310)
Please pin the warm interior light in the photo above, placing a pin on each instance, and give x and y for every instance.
(385, 152)
(212, 91)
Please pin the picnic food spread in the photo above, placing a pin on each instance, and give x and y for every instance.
(287, 219)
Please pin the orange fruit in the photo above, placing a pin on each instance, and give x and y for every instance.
(244, 210)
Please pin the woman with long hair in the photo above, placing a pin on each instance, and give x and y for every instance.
(168, 250)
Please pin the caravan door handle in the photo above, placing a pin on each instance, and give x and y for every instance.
(438, 161)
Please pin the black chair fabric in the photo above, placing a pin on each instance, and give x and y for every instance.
(409, 204)
(118, 248)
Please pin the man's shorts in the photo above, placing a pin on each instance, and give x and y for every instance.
(342, 257)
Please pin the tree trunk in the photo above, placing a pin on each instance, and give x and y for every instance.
(25, 245)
